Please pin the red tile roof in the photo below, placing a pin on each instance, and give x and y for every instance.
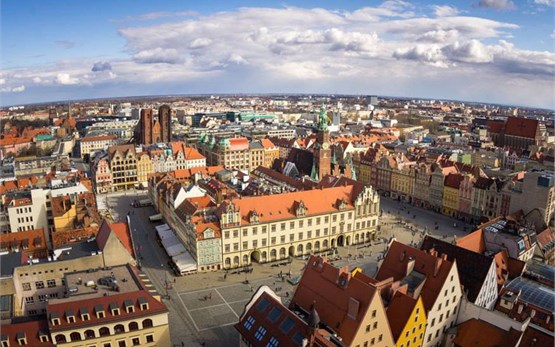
(476, 332)
(473, 242)
(495, 126)
(398, 312)
(239, 144)
(193, 154)
(522, 127)
(267, 144)
(395, 265)
(122, 232)
(30, 329)
(154, 307)
(453, 180)
(30, 241)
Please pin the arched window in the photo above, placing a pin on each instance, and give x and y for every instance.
(61, 338)
(308, 247)
(147, 323)
(317, 245)
(133, 326)
(75, 336)
(236, 260)
(273, 254)
(104, 331)
(282, 252)
(300, 249)
(118, 329)
(325, 244)
(89, 334)
(227, 261)
(264, 256)
(245, 259)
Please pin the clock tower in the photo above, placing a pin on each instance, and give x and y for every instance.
(322, 151)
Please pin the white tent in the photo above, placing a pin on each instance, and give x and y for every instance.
(162, 227)
(185, 263)
(170, 241)
(175, 250)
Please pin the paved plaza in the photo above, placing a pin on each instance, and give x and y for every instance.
(203, 307)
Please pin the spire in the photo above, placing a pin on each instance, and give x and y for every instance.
(323, 118)
(314, 172)
(333, 158)
(313, 320)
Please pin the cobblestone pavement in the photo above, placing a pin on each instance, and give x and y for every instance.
(204, 307)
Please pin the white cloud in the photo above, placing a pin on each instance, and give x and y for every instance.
(237, 59)
(17, 89)
(66, 79)
(445, 11)
(545, 2)
(2, 81)
(497, 4)
(158, 55)
(468, 52)
(200, 43)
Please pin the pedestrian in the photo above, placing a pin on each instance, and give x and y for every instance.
(225, 276)
(174, 280)
(182, 344)
(210, 296)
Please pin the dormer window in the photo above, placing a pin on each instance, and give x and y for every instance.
(129, 307)
(143, 304)
(84, 314)
(114, 309)
(43, 336)
(21, 339)
(4, 340)
(99, 310)
(55, 318)
(253, 218)
(300, 211)
(70, 316)
(341, 204)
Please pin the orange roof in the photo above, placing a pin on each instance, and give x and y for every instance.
(395, 265)
(177, 146)
(30, 240)
(99, 138)
(282, 206)
(476, 332)
(192, 154)
(31, 331)
(124, 235)
(267, 144)
(473, 242)
(15, 141)
(238, 144)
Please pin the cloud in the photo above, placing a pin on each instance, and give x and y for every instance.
(237, 59)
(469, 52)
(158, 55)
(66, 79)
(496, 4)
(545, 2)
(445, 11)
(2, 81)
(200, 43)
(65, 44)
(101, 66)
(18, 89)
(158, 15)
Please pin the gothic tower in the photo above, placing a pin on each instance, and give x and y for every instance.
(322, 152)
(165, 119)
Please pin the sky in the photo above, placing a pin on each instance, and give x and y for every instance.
(494, 51)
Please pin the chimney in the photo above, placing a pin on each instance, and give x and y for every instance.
(444, 256)
(402, 257)
(520, 308)
(410, 265)
(437, 266)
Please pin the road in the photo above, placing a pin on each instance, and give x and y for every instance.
(194, 319)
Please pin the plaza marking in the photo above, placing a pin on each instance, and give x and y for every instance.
(226, 286)
(232, 310)
(188, 313)
(228, 303)
(219, 326)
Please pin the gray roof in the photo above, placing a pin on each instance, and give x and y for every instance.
(8, 262)
(534, 293)
(78, 250)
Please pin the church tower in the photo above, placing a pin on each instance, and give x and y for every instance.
(322, 152)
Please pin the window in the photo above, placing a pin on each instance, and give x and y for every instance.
(300, 236)
(235, 233)
(375, 326)
(29, 300)
(264, 229)
(26, 286)
(121, 343)
(260, 333)
(149, 338)
(39, 284)
(291, 225)
(245, 244)
(227, 248)
(273, 342)
(51, 283)
(249, 323)
(318, 221)
(374, 314)
(368, 328)
(107, 344)
(282, 227)
(43, 297)
(274, 314)
(135, 341)
(287, 325)
(291, 237)
(245, 232)
(301, 223)
(373, 341)
(380, 338)
(273, 227)
(433, 322)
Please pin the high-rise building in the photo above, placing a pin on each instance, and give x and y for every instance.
(165, 119)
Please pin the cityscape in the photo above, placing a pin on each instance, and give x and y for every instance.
(238, 174)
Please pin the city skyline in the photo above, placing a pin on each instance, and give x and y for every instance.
(493, 51)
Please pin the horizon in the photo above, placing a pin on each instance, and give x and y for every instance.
(485, 51)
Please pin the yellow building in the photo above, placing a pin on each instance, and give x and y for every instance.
(123, 164)
(451, 186)
(144, 168)
(256, 154)
(271, 153)
(402, 182)
(90, 145)
(407, 319)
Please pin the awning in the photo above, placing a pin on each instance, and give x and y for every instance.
(184, 262)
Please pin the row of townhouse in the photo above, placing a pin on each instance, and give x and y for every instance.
(126, 167)
(229, 233)
(238, 153)
(455, 189)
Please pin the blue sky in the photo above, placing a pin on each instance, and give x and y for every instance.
(497, 51)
